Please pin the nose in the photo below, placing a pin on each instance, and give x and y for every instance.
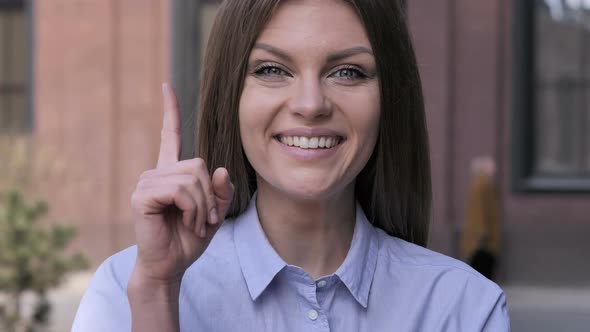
(309, 101)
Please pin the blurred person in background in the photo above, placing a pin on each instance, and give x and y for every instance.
(482, 236)
(309, 203)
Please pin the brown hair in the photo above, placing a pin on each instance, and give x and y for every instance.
(394, 188)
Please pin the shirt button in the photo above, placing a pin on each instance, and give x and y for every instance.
(322, 283)
(312, 314)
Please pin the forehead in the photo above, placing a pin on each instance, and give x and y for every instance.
(315, 24)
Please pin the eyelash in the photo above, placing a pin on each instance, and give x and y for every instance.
(359, 73)
(260, 71)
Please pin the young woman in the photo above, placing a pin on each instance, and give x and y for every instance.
(308, 207)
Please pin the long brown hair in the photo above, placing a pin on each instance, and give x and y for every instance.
(394, 188)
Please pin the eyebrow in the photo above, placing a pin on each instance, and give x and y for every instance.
(331, 58)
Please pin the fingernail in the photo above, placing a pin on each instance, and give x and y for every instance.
(213, 216)
(203, 232)
(167, 89)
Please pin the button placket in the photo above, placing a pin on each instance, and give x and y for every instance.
(307, 290)
(312, 314)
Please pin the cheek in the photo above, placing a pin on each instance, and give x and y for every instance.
(249, 112)
(373, 111)
(366, 121)
(365, 116)
(247, 109)
(257, 107)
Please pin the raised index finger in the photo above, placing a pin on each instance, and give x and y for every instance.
(171, 130)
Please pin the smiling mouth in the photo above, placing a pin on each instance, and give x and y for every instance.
(304, 142)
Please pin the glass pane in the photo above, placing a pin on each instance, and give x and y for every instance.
(4, 114)
(13, 70)
(562, 90)
(19, 47)
(18, 104)
(4, 21)
(7, 113)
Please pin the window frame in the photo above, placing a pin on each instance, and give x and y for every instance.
(523, 112)
(27, 7)
(12, 4)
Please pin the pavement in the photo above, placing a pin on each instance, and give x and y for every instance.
(532, 309)
(66, 299)
(543, 309)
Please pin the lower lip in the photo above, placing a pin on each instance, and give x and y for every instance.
(308, 154)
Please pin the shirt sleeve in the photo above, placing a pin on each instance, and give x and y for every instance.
(480, 307)
(498, 319)
(104, 306)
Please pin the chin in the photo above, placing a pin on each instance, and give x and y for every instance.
(312, 190)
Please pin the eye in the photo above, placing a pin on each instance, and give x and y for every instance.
(269, 70)
(349, 73)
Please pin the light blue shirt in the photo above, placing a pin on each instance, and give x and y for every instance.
(241, 284)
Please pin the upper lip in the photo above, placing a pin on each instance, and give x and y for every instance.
(310, 132)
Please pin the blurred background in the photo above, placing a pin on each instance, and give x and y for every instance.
(507, 80)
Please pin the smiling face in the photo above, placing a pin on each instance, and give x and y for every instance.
(309, 110)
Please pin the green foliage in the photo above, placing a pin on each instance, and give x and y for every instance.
(32, 255)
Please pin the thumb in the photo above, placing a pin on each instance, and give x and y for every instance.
(223, 190)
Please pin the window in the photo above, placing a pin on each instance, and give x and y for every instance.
(14, 44)
(552, 95)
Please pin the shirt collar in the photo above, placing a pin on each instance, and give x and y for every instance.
(358, 268)
(260, 263)
(258, 259)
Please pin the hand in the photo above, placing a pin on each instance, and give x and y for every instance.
(177, 207)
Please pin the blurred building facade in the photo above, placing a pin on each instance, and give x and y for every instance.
(508, 79)
(504, 78)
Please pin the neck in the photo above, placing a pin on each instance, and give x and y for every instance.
(310, 233)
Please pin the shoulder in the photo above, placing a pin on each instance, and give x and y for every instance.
(439, 281)
(116, 270)
(399, 252)
(104, 306)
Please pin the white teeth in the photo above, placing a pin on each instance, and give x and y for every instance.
(313, 143)
(303, 142)
(309, 142)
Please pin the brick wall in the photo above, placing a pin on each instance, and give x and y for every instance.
(98, 66)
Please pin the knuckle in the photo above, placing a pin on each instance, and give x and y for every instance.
(133, 198)
(200, 164)
(194, 180)
(145, 182)
(146, 174)
(141, 183)
(136, 200)
(178, 189)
